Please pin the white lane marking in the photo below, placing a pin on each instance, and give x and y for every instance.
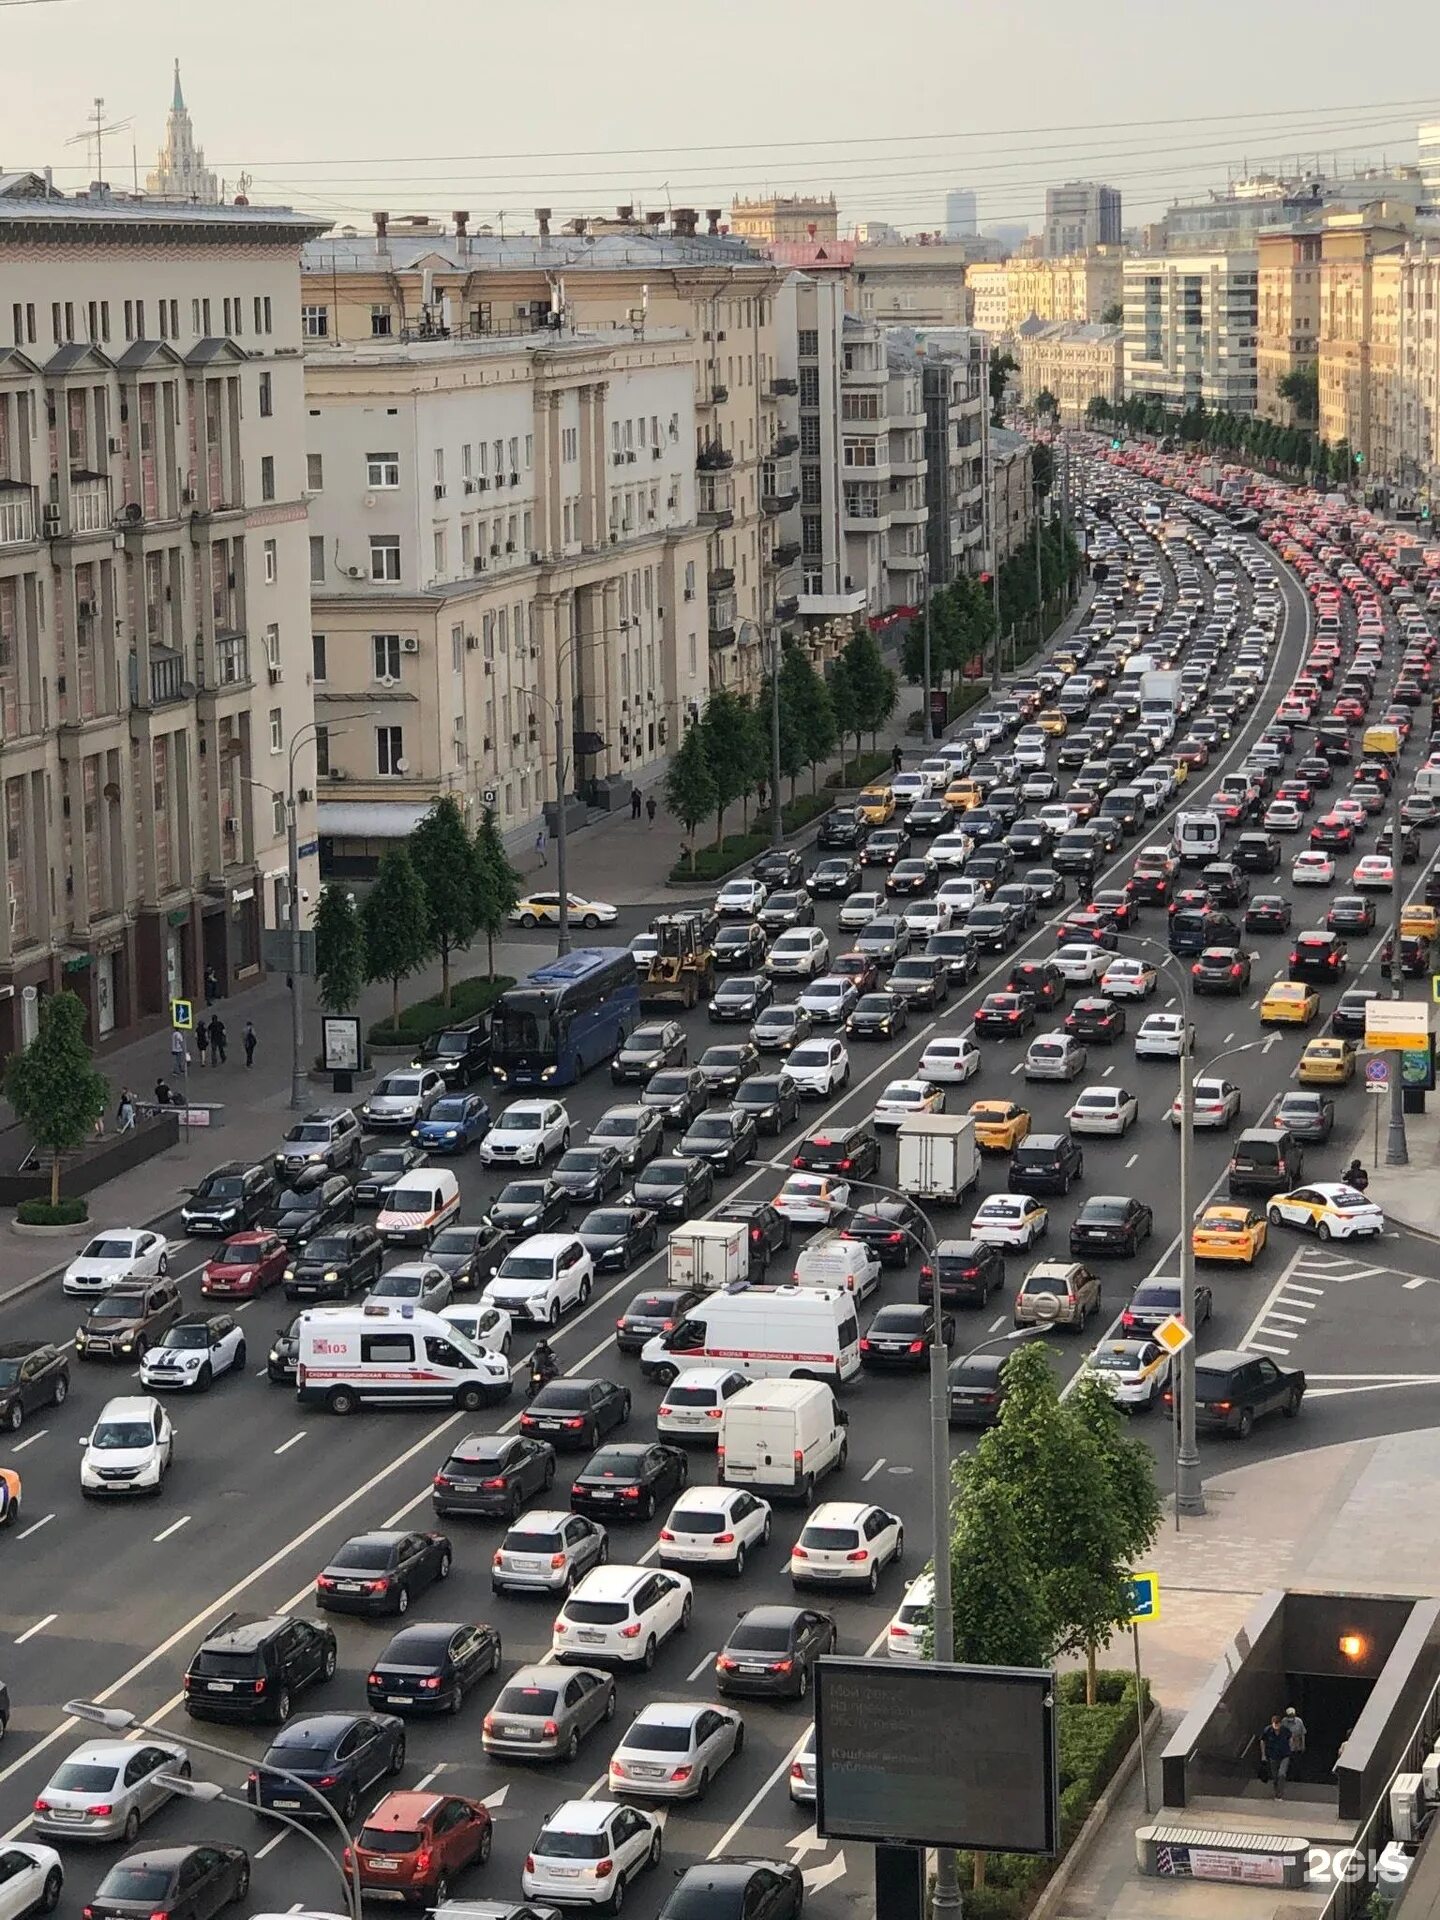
(1228, 1038)
(1108, 1071)
(420, 1785)
(39, 1627)
(1131, 1161)
(271, 1845)
(1019, 1067)
(1255, 1003)
(35, 1526)
(871, 1472)
(21, 1445)
(293, 1441)
(707, 1662)
(596, 1786)
(1261, 1346)
(1299, 1286)
(173, 1528)
(1295, 1319)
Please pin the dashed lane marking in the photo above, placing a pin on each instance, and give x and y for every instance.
(39, 1627)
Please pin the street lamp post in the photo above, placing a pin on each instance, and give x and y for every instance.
(1397, 1151)
(208, 1792)
(777, 825)
(928, 732)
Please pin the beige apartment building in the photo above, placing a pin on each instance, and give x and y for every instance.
(410, 282)
(1078, 287)
(1405, 369)
(154, 598)
(1289, 308)
(1010, 459)
(504, 534)
(1191, 325)
(989, 285)
(1076, 362)
(786, 219)
(917, 283)
(1350, 244)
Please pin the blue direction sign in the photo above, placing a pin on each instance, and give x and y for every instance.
(182, 1016)
(1144, 1597)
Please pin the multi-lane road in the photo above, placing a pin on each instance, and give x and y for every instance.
(109, 1603)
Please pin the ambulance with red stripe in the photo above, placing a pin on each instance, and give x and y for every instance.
(766, 1333)
(393, 1353)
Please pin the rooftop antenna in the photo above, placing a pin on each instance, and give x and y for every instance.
(97, 132)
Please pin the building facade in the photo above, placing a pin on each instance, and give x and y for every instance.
(1079, 215)
(503, 531)
(154, 600)
(1191, 325)
(954, 369)
(960, 214)
(920, 283)
(989, 286)
(180, 169)
(810, 337)
(1288, 341)
(1010, 463)
(792, 218)
(1077, 287)
(1350, 245)
(1077, 363)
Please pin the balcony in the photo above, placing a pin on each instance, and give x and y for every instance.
(785, 610)
(232, 660)
(784, 553)
(862, 509)
(782, 384)
(778, 489)
(714, 395)
(715, 501)
(861, 373)
(906, 559)
(720, 579)
(89, 503)
(723, 615)
(785, 443)
(713, 458)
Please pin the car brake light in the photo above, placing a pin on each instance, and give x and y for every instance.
(431, 1685)
(604, 1869)
(797, 1161)
(550, 1730)
(441, 1481)
(529, 1863)
(682, 1773)
(497, 1557)
(781, 1666)
(630, 1493)
(632, 1632)
(376, 1586)
(799, 1553)
(620, 1324)
(574, 1426)
(1222, 1406)
(371, 1680)
(797, 1772)
(422, 1863)
(917, 1346)
(260, 1685)
(725, 1663)
(328, 1780)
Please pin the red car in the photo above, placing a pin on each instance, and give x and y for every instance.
(1347, 707)
(246, 1265)
(859, 969)
(414, 1845)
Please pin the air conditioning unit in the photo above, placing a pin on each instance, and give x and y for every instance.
(1430, 1775)
(471, 643)
(509, 546)
(231, 826)
(479, 563)
(439, 489)
(50, 522)
(469, 486)
(409, 643)
(114, 443)
(277, 674)
(514, 479)
(489, 666)
(353, 573)
(534, 557)
(1407, 1806)
(655, 452)
(85, 609)
(482, 484)
(187, 496)
(689, 593)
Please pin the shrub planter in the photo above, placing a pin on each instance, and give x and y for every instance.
(467, 999)
(39, 1217)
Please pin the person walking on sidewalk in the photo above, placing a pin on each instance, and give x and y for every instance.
(897, 757)
(217, 1041)
(125, 1112)
(248, 1041)
(1295, 1727)
(212, 986)
(650, 809)
(202, 1041)
(635, 803)
(177, 1052)
(540, 844)
(1275, 1754)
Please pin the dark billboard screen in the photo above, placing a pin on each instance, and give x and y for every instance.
(936, 1756)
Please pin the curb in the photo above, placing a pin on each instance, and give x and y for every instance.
(1050, 1895)
(41, 1231)
(38, 1280)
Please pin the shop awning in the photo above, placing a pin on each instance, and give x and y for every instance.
(369, 819)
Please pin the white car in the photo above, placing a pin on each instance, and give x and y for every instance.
(961, 895)
(1081, 962)
(621, 1613)
(673, 1749)
(937, 771)
(645, 947)
(829, 999)
(120, 1253)
(1010, 1220)
(1329, 1208)
(924, 917)
(129, 1449)
(1058, 818)
(1164, 1036)
(818, 1066)
(1128, 980)
(1313, 868)
(1137, 1372)
(588, 1852)
(540, 1278)
(907, 788)
(950, 850)
(802, 1772)
(1216, 1103)
(1373, 873)
(1283, 816)
(692, 1407)
(950, 1062)
(194, 1352)
(1039, 786)
(740, 899)
(846, 1543)
(1055, 1056)
(491, 1328)
(813, 1199)
(32, 1879)
(799, 952)
(79, 1801)
(714, 1527)
(911, 1621)
(526, 1134)
(1111, 1110)
(901, 1098)
(859, 909)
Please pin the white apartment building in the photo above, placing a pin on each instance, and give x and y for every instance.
(809, 350)
(955, 364)
(1191, 329)
(989, 285)
(882, 467)
(154, 598)
(503, 530)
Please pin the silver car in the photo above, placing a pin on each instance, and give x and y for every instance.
(1055, 1056)
(547, 1552)
(636, 1133)
(420, 1282)
(543, 1713)
(403, 1099)
(105, 1791)
(673, 1749)
(802, 1773)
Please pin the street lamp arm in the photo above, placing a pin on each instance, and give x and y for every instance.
(207, 1792)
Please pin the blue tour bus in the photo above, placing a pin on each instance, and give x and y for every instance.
(564, 1018)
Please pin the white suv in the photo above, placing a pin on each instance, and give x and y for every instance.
(714, 1527)
(541, 1277)
(622, 1614)
(802, 952)
(818, 1066)
(129, 1449)
(846, 1543)
(526, 1133)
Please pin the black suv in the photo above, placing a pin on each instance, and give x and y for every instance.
(310, 1204)
(772, 1099)
(1110, 1223)
(251, 1666)
(1046, 1163)
(229, 1199)
(852, 1150)
(770, 1231)
(842, 827)
(890, 1228)
(1234, 1390)
(1257, 853)
(460, 1054)
(33, 1374)
(969, 1272)
(781, 867)
(334, 1265)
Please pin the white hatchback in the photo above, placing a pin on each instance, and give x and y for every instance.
(693, 1405)
(846, 1543)
(1313, 868)
(950, 1062)
(924, 917)
(951, 850)
(859, 909)
(962, 895)
(813, 1199)
(714, 1527)
(589, 1851)
(911, 1621)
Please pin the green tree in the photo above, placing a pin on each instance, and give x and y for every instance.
(53, 1086)
(998, 1611)
(754, 755)
(690, 789)
(1301, 388)
(1098, 409)
(1042, 468)
(1002, 365)
(443, 854)
(794, 692)
(1046, 405)
(1128, 1468)
(339, 948)
(729, 729)
(1114, 315)
(872, 681)
(844, 705)
(822, 732)
(395, 919)
(497, 884)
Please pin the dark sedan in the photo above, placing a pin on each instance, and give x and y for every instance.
(739, 945)
(769, 1230)
(576, 1413)
(1154, 1301)
(431, 1668)
(469, 1255)
(661, 1044)
(722, 1068)
(308, 1205)
(787, 909)
(382, 1572)
(890, 1228)
(780, 867)
(771, 1099)
(173, 1883)
(910, 877)
(1350, 913)
(340, 1756)
(1110, 1223)
(335, 1265)
(1096, 1020)
(33, 1374)
(1049, 886)
(1267, 913)
(1348, 1019)
(901, 1335)
(842, 827)
(636, 1133)
(284, 1354)
(733, 1890)
(677, 1094)
(832, 879)
(379, 1171)
(617, 1237)
(773, 1650)
(1306, 1113)
(493, 1474)
(1007, 1014)
(628, 1482)
(589, 1173)
(725, 1136)
(656, 1310)
(1221, 970)
(529, 1206)
(877, 1016)
(742, 998)
(675, 1188)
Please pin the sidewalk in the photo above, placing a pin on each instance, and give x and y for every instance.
(1410, 1195)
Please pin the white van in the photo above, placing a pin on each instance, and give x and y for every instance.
(768, 1333)
(417, 1206)
(830, 1261)
(1197, 838)
(782, 1435)
(395, 1354)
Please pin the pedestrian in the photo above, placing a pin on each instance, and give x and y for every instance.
(162, 1092)
(212, 986)
(1295, 1727)
(650, 808)
(1356, 1176)
(1275, 1755)
(897, 757)
(217, 1040)
(247, 1040)
(202, 1041)
(177, 1050)
(540, 844)
(635, 803)
(125, 1112)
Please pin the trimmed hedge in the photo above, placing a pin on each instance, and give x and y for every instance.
(739, 849)
(859, 772)
(418, 1022)
(40, 1213)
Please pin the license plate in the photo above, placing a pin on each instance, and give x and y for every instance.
(464, 1486)
(526, 1563)
(383, 1866)
(347, 1586)
(599, 1493)
(285, 1803)
(749, 1669)
(99, 1346)
(518, 1733)
(397, 1700)
(220, 1686)
(590, 1639)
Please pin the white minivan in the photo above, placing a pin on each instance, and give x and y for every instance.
(394, 1354)
(782, 1435)
(768, 1333)
(422, 1201)
(829, 1261)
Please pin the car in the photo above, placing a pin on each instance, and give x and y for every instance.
(528, 1206)
(575, 1413)
(1136, 1372)
(901, 1098)
(414, 1844)
(229, 1199)
(195, 1350)
(337, 1755)
(1220, 970)
(729, 1889)
(383, 1169)
(1010, 1220)
(1348, 1017)
(526, 1134)
(127, 1320)
(1312, 869)
(1095, 1020)
(858, 909)
(1266, 913)
(248, 1264)
(335, 1265)
(725, 1137)
(772, 1100)
(1234, 1389)
(714, 1527)
(819, 1067)
(117, 1255)
(1215, 1103)
(799, 953)
(692, 1406)
(469, 1254)
(453, 1125)
(416, 1283)
(829, 1000)
(1057, 1293)
(542, 1713)
(547, 1552)
(900, 1335)
(106, 1789)
(786, 908)
(430, 1667)
(672, 1750)
(1327, 1063)
(846, 1543)
(616, 1237)
(252, 1667)
(490, 1328)
(813, 1199)
(1000, 1125)
(329, 1137)
(1104, 1110)
(1081, 962)
(283, 1358)
(921, 980)
(949, 1060)
(1374, 872)
(589, 1173)
(171, 1883)
(1289, 1003)
(1228, 1233)
(860, 969)
(622, 1614)
(1318, 955)
(459, 1054)
(1055, 1056)
(773, 1650)
(612, 1843)
(655, 1310)
(33, 1374)
(1328, 1208)
(636, 1133)
(493, 1474)
(1111, 1223)
(675, 1188)
(1127, 979)
(1005, 1015)
(541, 1278)
(677, 1094)
(382, 1572)
(1164, 1036)
(657, 1044)
(722, 1068)
(739, 945)
(311, 1202)
(966, 1273)
(400, 1101)
(1155, 1301)
(832, 879)
(877, 1016)
(543, 910)
(1307, 1115)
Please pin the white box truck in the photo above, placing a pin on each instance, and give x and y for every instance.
(938, 1157)
(1159, 692)
(709, 1254)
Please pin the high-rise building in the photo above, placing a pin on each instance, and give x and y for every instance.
(180, 170)
(1289, 312)
(1191, 326)
(1079, 215)
(954, 363)
(1429, 143)
(1350, 244)
(960, 219)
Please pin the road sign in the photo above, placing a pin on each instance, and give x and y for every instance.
(489, 795)
(1377, 1074)
(1397, 1024)
(1435, 987)
(182, 1015)
(1173, 1334)
(1144, 1597)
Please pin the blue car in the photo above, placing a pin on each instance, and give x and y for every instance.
(453, 1124)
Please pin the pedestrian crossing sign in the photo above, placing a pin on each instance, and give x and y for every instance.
(182, 1015)
(1144, 1597)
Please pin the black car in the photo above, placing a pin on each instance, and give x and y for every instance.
(1257, 853)
(739, 945)
(877, 1016)
(469, 1255)
(1233, 1390)
(1267, 913)
(884, 847)
(773, 1650)
(617, 1237)
(172, 1883)
(994, 927)
(1041, 979)
(722, 1068)
(431, 1668)
(576, 1413)
(1221, 970)
(742, 998)
(1154, 1301)
(1306, 1113)
(461, 1055)
(229, 1198)
(383, 1169)
(677, 1094)
(253, 1666)
(1192, 929)
(850, 1148)
(772, 1100)
(1048, 885)
(910, 877)
(842, 827)
(1046, 1163)
(968, 1272)
(1225, 883)
(1348, 1019)
(787, 908)
(528, 1206)
(901, 1335)
(1350, 913)
(780, 867)
(919, 980)
(930, 815)
(310, 1203)
(890, 1228)
(636, 1132)
(589, 1173)
(676, 1188)
(725, 1136)
(1096, 1020)
(732, 1890)
(1318, 956)
(977, 1389)
(339, 1756)
(382, 1572)
(628, 1482)
(33, 1374)
(658, 1044)
(335, 1265)
(1110, 1223)
(769, 1229)
(656, 1310)
(493, 1474)
(284, 1354)
(955, 947)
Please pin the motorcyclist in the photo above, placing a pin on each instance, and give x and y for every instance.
(543, 1365)
(1356, 1176)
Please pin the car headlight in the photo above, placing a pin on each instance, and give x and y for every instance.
(289, 1273)
(332, 1273)
(531, 1220)
(80, 1337)
(315, 1156)
(452, 1133)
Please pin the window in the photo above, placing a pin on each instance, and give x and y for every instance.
(439, 473)
(457, 649)
(271, 552)
(322, 735)
(228, 327)
(267, 476)
(267, 396)
(277, 730)
(809, 386)
(529, 451)
(442, 565)
(514, 455)
(382, 469)
(569, 442)
(272, 647)
(810, 485)
(385, 556)
(390, 750)
(808, 343)
(467, 545)
(317, 559)
(317, 656)
(315, 472)
(277, 816)
(382, 322)
(386, 648)
(315, 323)
(811, 537)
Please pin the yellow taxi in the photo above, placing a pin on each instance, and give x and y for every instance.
(1228, 1233)
(1289, 1003)
(1051, 720)
(1327, 1063)
(876, 804)
(543, 910)
(1418, 918)
(1000, 1125)
(9, 1497)
(1064, 662)
(964, 793)
(1180, 768)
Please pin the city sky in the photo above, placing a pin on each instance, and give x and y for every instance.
(582, 107)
